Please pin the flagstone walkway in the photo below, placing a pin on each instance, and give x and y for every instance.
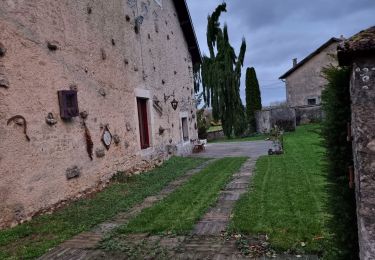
(216, 220)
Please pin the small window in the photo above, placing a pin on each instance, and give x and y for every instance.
(143, 122)
(68, 103)
(311, 101)
(185, 131)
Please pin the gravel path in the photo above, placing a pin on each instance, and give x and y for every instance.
(235, 149)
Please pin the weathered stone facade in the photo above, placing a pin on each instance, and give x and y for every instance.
(111, 52)
(308, 114)
(304, 81)
(363, 124)
(283, 117)
(215, 135)
(359, 53)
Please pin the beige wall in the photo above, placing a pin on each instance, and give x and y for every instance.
(306, 82)
(33, 174)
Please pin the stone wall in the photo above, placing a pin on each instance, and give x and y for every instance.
(363, 130)
(308, 114)
(307, 81)
(105, 51)
(263, 121)
(282, 117)
(215, 135)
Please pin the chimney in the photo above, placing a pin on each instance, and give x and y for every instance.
(294, 62)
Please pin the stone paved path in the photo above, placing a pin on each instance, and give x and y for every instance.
(78, 247)
(215, 221)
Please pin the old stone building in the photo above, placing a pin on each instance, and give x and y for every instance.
(358, 52)
(304, 82)
(89, 88)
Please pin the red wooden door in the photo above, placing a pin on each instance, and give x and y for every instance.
(143, 123)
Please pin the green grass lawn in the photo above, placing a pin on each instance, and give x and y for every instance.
(214, 128)
(289, 195)
(183, 208)
(34, 238)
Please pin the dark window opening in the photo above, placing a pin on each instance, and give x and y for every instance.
(70, 100)
(143, 122)
(68, 103)
(185, 132)
(311, 101)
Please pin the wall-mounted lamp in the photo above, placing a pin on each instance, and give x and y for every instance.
(174, 103)
(166, 97)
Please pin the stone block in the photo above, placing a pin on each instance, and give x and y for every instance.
(4, 82)
(73, 172)
(2, 50)
(100, 152)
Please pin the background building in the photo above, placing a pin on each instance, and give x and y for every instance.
(304, 81)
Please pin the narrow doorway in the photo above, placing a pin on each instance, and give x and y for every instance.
(143, 122)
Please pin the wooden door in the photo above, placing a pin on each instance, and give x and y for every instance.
(143, 122)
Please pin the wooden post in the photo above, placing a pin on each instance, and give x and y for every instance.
(351, 177)
(349, 136)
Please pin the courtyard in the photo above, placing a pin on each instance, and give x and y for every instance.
(210, 206)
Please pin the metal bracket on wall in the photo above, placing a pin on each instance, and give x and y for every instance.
(167, 97)
(157, 106)
(22, 122)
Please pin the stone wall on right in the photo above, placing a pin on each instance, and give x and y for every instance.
(358, 52)
(363, 127)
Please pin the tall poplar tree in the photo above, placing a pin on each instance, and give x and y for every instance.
(253, 98)
(221, 75)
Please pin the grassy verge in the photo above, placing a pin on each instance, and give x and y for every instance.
(214, 128)
(34, 238)
(256, 137)
(179, 211)
(289, 197)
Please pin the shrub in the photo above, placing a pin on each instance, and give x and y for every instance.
(203, 125)
(336, 106)
(286, 125)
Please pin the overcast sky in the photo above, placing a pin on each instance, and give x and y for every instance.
(277, 31)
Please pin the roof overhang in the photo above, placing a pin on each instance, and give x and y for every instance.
(188, 30)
